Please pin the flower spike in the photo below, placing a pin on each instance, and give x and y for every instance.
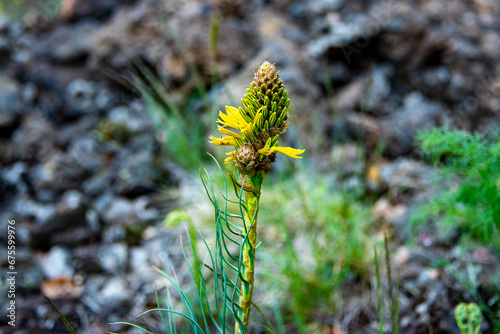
(261, 119)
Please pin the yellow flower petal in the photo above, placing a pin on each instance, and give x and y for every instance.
(291, 152)
(245, 127)
(264, 150)
(231, 156)
(232, 118)
(228, 120)
(223, 141)
(232, 111)
(229, 132)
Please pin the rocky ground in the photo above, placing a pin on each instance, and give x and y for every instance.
(81, 168)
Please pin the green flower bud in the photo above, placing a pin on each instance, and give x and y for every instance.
(260, 121)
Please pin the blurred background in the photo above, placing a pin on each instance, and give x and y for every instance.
(105, 112)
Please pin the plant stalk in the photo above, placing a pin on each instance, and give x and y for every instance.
(248, 258)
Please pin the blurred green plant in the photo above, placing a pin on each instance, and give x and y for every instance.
(322, 236)
(65, 321)
(175, 218)
(469, 318)
(180, 126)
(486, 295)
(469, 195)
(393, 298)
(15, 9)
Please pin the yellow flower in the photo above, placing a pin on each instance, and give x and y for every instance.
(232, 118)
(231, 156)
(260, 121)
(223, 141)
(229, 132)
(291, 152)
(227, 120)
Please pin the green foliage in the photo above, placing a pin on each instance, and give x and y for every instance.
(66, 323)
(179, 124)
(469, 199)
(485, 294)
(321, 236)
(17, 9)
(469, 318)
(393, 298)
(215, 304)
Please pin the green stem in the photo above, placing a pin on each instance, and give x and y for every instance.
(248, 260)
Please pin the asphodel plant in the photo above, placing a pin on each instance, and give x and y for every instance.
(254, 130)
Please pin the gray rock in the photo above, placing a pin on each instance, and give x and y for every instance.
(114, 258)
(25, 207)
(140, 30)
(408, 173)
(104, 98)
(45, 176)
(81, 128)
(35, 138)
(11, 103)
(86, 261)
(90, 9)
(120, 210)
(57, 263)
(98, 183)
(134, 170)
(343, 32)
(114, 233)
(8, 152)
(72, 200)
(61, 171)
(401, 126)
(5, 44)
(108, 291)
(337, 72)
(490, 7)
(322, 6)
(62, 223)
(93, 285)
(80, 95)
(102, 202)
(13, 175)
(379, 88)
(465, 48)
(93, 222)
(347, 159)
(144, 209)
(134, 120)
(86, 97)
(140, 260)
(4, 23)
(31, 278)
(83, 152)
(28, 93)
(61, 46)
(349, 96)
